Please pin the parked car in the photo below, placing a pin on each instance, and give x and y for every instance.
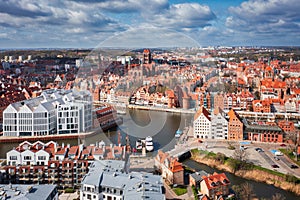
(275, 166)
(278, 153)
(294, 166)
(276, 158)
(283, 145)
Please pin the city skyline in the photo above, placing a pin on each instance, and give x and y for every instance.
(87, 24)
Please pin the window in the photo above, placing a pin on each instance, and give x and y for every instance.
(13, 158)
(27, 157)
(41, 157)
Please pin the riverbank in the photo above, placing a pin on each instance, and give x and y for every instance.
(173, 110)
(256, 173)
(7, 139)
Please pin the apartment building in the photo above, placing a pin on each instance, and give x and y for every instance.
(53, 112)
(108, 180)
(28, 192)
(49, 163)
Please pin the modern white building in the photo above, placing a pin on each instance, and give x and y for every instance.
(53, 112)
(202, 124)
(107, 180)
(219, 126)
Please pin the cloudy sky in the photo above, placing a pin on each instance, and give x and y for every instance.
(88, 23)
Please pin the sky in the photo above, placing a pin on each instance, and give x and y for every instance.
(142, 23)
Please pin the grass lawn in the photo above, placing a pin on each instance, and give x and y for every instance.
(180, 190)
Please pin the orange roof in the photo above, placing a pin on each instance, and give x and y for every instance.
(216, 180)
(268, 68)
(176, 166)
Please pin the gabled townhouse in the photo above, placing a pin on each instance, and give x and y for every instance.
(219, 125)
(202, 124)
(235, 126)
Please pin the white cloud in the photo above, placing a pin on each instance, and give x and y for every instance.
(181, 16)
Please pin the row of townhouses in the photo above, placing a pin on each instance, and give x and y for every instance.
(230, 126)
(49, 163)
(53, 112)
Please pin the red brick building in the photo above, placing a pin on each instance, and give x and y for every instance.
(263, 106)
(235, 126)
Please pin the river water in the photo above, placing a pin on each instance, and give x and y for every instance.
(162, 126)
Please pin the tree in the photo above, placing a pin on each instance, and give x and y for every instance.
(244, 191)
(278, 196)
(220, 157)
(240, 155)
(247, 192)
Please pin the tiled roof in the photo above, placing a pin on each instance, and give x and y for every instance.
(216, 180)
(203, 111)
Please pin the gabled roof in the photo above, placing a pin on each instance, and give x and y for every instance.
(203, 111)
(216, 180)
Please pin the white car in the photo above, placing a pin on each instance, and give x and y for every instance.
(278, 153)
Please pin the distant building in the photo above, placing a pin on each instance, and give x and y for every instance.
(202, 124)
(147, 56)
(263, 106)
(108, 180)
(287, 126)
(29, 192)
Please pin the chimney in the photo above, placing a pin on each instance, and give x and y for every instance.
(63, 145)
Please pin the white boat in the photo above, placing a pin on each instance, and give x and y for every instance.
(139, 145)
(149, 143)
(178, 133)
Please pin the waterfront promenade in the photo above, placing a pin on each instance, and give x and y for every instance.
(162, 109)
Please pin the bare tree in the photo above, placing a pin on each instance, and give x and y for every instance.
(240, 154)
(247, 192)
(278, 196)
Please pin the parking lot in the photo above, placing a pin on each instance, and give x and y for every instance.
(264, 157)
